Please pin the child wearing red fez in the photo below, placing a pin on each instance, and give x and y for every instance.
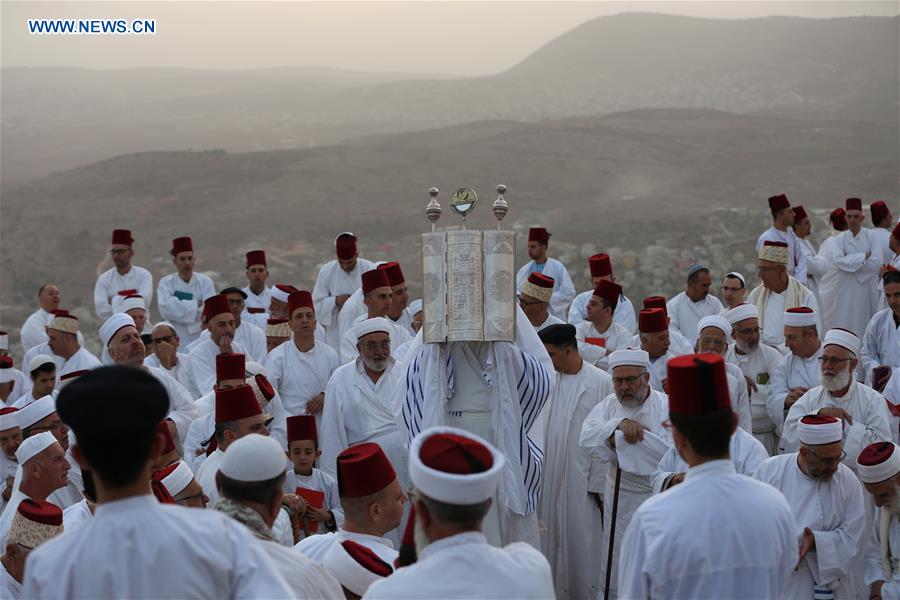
(318, 490)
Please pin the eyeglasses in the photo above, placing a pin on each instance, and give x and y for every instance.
(165, 339)
(716, 343)
(830, 461)
(748, 330)
(187, 498)
(626, 380)
(832, 360)
(373, 346)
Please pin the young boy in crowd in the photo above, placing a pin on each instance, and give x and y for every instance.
(317, 489)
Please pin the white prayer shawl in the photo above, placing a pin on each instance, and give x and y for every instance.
(81, 360)
(181, 405)
(884, 542)
(465, 566)
(358, 410)
(759, 366)
(305, 578)
(300, 376)
(520, 377)
(599, 425)
(563, 289)
(184, 315)
(858, 260)
(181, 371)
(154, 550)
(749, 553)
(9, 588)
(745, 451)
(399, 335)
(865, 405)
(572, 521)
(110, 283)
(835, 512)
(323, 482)
(881, 343)
(317, 546)
(257, 302)
(75, 515)
(333, 281)
(615, 338)
(792, 371)
(624, 314)
(771, 306)
(829, 281)
(202, 363)
(684, 313)
(678, 344)
(550, 320)
(795, 264)
(352, 309)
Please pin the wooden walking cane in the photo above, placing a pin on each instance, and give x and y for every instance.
(612, 532)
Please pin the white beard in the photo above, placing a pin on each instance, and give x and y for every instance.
(374, 365)
(835, 383)
(421, 538)
(744, 347)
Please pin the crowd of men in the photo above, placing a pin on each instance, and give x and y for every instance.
(274, 442)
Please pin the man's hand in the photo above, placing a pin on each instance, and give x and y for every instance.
(225, 345)
(751, 387)
(634, 431)
(340, 299)
(833, 411)
(8, 491)
(315, 404)
(794, 394)
(675, 480)
(166, 354)
(875, 590)
(319, 515)
(807, 542)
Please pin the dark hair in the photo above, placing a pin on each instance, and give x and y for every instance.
(608, 304)
(709, 434)
(573, 343)
(891, 277)
(730, 276)
(117, 457)
(249, 491)
(49, 367)
(221, 428)
(467, 516)
(90, 491)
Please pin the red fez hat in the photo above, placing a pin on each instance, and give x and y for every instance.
(651, 320)
(600, 265)
(265, 388)
(126, 293)
(236, 403)
(778, 203)
(161, 474)
(345, 246)
(41, 511)
(799, 212)
(216, 305)
(302, 427)
(231, 366)
(541, 280)
(367, 558)
(538, 234)
(656, 302)
(374, 279)
(300, 299)
(170, 443)
(879, 211)
(804, 310)
(453, 453)
(182, 244)
(363, 470)
(6, 362)
(609, 291)
(393, 272)
(838, 218)
(853, 204)
(256, 257)
(698, 384)
(896, 231)
(122, 236)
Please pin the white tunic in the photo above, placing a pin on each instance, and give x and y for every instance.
(205, 475)
(300, 376)
(746, 452)
(734, 538)
(550, 320)
(151, 550)
(75, 515)
(10, 589)
(563, 289)
(614, 338)
(180, 372)
(599, 425)
(883, 240)
(352, 309)
(684, 313)
(465, 566)
(81, 360)
(829, 281)
(816, 266)
(624, 314)
(333, 281)
(202, 363)
(321, 481)
(881, 343)
(795, 264)
(181, 405)
(678, 344)
(791, 371)
(874, 563)
(399, 335)
(772, 329)
(110, 283)
(865, 405)
(256, 307)
(317, 546)
(835, 513)
(858, 260)
(181, 303)
(572, 521)
(34, 330)
(251, 338)
(305, 578)
(759, 366)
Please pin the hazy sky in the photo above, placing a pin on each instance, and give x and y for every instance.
(466, 38)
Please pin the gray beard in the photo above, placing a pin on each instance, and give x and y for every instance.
(838, 382)
(744, 347)
(374, 365)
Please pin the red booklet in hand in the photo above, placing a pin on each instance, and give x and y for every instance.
(314, 498)
(595, 341)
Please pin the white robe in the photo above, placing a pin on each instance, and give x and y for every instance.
(352, 309)
(465, 566)
(883, 240)
(745, 451)
(550, 320)
(323, 482)
(865, 405)
(184, 312)
(563, 289)
(795, 264)
(151, 550)
(81, 360)
(678, 344)
(110, 283)
(835, 512)
(624, 314)
(399, 335)
(8, 468)
(791, 371)
(181, 372)
(317, 546)
(857, 297)
(202, 363)
(34, 330)
(816, 267)
(881, 343)
(772, 323)
(300, 376)
(181, 405)
(759, 366)
(614, 338)
(658, 372)
(75, 515)
(684, 313)
(205, 475)
(829, 281)
(256, 307)
(599, 425)
(10, 589)
(734, 538)
(251, 338)
(573, 524)
(874, 563)
(333, 281)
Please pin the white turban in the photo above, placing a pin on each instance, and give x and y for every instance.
(112, 325)
(717, 321)
(39, 361)
(842, 338)
(799, 319)
(132, 302)
(34, 445)
(178, 479)
(33, 412)
(414, 307)
(7, 373)
(630, 358)
(741, 312)
(8, 420)
(814, 430)
(874, 466)
(367, 326)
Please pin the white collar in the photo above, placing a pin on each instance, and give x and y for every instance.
(711, 468)
(363, 537)
(460, 539)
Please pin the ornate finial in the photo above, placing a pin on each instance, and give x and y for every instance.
(501, 206)
(433, 210)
